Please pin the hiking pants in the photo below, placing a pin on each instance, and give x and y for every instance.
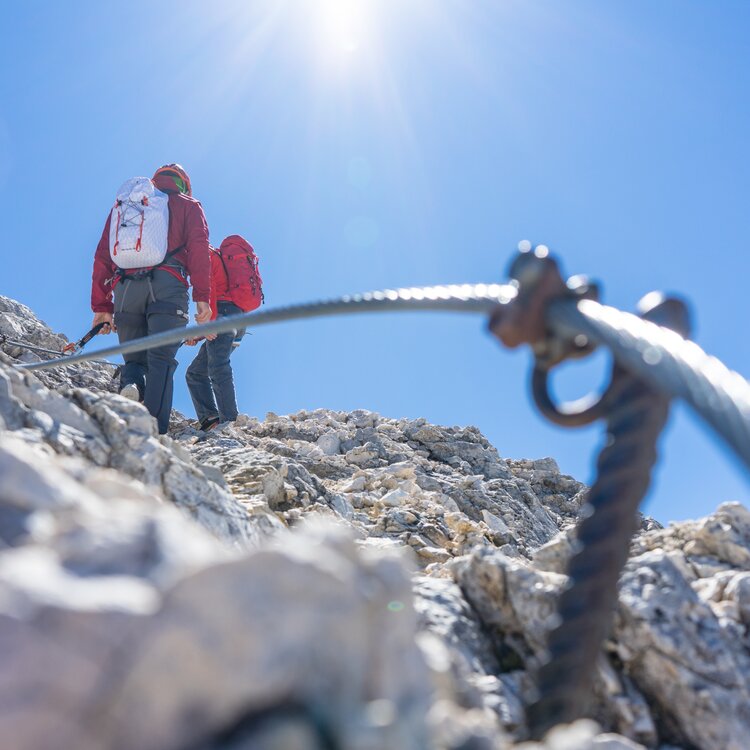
(142, 307)
(209, 376)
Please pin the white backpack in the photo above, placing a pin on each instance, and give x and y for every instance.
(139, 225)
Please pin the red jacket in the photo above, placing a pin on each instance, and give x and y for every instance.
(187, 229)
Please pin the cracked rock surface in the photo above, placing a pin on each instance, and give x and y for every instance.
(325, 580)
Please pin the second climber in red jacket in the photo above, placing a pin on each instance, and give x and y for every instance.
(235, 288)
(148, 299)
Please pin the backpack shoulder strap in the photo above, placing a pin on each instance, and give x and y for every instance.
(169, 255)
(224, 265)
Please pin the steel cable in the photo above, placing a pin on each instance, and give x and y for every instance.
(635, 418)
(30, 347)
(43, 350)
(670, 363)
(463, 298)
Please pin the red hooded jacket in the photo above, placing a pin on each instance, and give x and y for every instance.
(187, 230)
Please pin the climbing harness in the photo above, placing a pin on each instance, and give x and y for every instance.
(653, 362)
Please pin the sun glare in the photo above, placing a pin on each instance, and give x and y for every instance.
(341, 25)
(348, 55)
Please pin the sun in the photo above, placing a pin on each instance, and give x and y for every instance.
(341, 27)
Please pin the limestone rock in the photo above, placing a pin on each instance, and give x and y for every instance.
(685, 660)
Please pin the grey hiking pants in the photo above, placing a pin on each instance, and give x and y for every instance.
(143, 306)
(209, 376)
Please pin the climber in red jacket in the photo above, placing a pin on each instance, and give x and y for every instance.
(236, 287)
(154, 240)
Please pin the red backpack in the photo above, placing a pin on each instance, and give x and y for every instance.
(235, 276)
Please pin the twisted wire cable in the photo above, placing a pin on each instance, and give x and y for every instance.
(30, 347)
(463, 298)
(42, 350)
(635, 418)
(667, 361)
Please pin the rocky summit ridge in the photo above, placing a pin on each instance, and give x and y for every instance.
(325, 580)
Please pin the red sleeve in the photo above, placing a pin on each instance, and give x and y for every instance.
(214, 286)
(197, 261)
(101, 278)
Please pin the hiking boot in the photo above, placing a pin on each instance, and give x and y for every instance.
(131, 391)
(209, 423)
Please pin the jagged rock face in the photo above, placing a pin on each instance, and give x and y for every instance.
(395, 482)
(18, 323)
(324, 579)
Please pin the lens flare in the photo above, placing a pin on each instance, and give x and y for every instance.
(342, 24)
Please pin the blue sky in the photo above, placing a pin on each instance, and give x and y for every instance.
(381, 143)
